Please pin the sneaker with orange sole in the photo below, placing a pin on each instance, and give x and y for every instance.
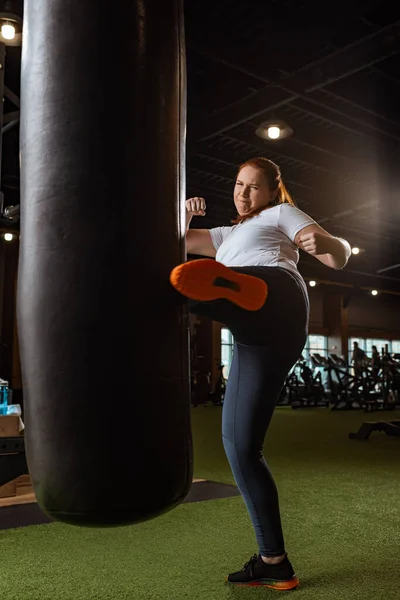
(206, 279)
(256, 573)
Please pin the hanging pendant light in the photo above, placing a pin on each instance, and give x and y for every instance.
(11, 23)
(274, 129)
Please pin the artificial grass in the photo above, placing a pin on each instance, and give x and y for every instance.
(340, 512)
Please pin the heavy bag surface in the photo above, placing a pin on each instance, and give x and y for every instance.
(103, 338)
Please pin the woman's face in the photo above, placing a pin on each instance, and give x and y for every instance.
(251, 191)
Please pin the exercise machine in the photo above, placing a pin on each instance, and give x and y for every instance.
(303, 387)
(389, 427)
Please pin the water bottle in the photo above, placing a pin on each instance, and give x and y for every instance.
(4, 391)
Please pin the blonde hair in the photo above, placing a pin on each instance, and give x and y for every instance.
(272, 174)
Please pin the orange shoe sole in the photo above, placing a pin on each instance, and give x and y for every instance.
(283, 586)
(205, 280)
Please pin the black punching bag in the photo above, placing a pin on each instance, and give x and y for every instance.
(103, 338)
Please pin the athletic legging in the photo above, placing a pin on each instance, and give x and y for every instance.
(267, 343)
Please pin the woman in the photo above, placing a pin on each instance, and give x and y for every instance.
(254, 288)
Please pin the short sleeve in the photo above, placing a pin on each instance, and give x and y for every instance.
(291, 220)
(219, 234)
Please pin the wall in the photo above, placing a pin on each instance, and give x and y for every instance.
(364, 313)
(380, 312)
(316, 313)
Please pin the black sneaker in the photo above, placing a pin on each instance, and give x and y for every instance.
(257, 573)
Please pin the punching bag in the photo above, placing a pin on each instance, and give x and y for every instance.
(103, 337)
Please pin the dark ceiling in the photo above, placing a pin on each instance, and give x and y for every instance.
(332, 72)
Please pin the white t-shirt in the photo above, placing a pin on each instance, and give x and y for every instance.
(264, 240)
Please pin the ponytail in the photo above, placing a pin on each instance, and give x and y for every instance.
(283, 196)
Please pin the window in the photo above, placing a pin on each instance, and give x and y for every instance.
(226, 350)
(367, 343)
(396, 347)
(380, 344)
(316, 344)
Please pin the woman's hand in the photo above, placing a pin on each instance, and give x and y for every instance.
(315, 243)
(196, 207)
(332, 251)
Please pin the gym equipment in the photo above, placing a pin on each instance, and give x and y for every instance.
(331, 383)
(371, 389)
(102, 226)
(218, 395)
(303, 387)
(343, 385)
(389, 427)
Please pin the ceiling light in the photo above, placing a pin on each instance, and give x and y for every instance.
(312, 283)
(274, 129)
(10, 29)
(374, 292)
(8, 237)
(273, 132)
(355, 250)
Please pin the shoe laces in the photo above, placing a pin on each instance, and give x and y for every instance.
(250, 564)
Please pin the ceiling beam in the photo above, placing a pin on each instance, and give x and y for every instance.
(245, 139)
(357, 152)
(352, 118)
(337, 65)
(357, 129)
(12, 97)
(293, 151)
(347, 114)
(355, 113)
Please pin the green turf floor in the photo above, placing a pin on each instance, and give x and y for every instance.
(340, 503)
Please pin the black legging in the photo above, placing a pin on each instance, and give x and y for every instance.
(268, 342)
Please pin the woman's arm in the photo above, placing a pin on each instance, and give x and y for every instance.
(198, 241)
(332, 251)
